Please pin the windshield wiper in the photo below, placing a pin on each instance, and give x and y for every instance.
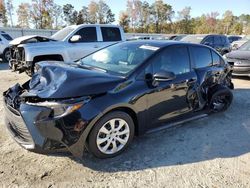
(89, 67)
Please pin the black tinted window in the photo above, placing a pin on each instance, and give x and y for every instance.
(173, 59)
(217, 59)
(88, 34)
(201, 56)
(217, 40)
(223, 39)
(111, 34)
(7, 37)
(209, 40)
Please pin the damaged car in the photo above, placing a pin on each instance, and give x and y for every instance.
(67, 45)
(102, 101)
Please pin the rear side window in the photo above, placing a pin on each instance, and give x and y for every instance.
(174, 59)
(110, 34)
(88, 34)
(201, 56)
(217, 59)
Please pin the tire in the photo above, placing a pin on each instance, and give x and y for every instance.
(220, 100)
(6, 55)
(101, 144)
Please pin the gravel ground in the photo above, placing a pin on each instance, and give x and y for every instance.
(211, 152)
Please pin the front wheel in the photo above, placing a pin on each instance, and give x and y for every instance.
(6, 55)
(111, 135)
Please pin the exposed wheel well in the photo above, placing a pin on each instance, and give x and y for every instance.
(54, 57)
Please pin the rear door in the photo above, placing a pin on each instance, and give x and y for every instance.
(109, 35)
(86, 45)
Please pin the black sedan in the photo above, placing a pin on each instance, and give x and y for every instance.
(240, 60)
(102, 101)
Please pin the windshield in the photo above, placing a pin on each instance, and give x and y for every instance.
(193, 38)
(62, 34)
(120, 58)
(246, 46)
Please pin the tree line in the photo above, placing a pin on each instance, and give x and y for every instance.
(138, 16)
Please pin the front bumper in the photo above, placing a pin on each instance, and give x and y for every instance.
(241, 70)
(34, 129)
(29, 133)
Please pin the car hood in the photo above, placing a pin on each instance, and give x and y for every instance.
(26, 39)
(55, 80)
(239, 54)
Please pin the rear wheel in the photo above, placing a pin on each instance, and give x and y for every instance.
(221, 99)
(111, 135)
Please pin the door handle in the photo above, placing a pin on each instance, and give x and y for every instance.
(96, 46)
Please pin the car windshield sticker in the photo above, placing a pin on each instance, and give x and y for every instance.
(153, 48)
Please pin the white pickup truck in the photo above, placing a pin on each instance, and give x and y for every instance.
(68, 44)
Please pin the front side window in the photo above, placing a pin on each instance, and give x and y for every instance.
(201, 56)
(209, 40)
(7, 37)
(110, 34)
(173, 59)
(88, 34)
(120, 58)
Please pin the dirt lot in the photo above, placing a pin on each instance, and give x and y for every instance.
(210, 152)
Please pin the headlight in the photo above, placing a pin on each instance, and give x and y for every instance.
(60, 109)
(63, 110)
(224, 56)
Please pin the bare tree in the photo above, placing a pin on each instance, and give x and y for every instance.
(57, 16)
(41, 13)
(93, 12)
(124, 21)
(3, 18)
(23, 15)
(10, 10)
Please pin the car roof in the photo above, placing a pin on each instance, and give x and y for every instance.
(163, 43)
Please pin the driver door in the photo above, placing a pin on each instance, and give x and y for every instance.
(167, 101)
(87, 44)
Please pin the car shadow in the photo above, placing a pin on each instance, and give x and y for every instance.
(3, 66)
(222, 135)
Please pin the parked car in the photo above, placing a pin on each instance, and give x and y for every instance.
(147, 37)
(233, 38)
(240, 60)
(218, 42)
(239, 43)
(104, 99)
(172, 37)
(68, 44)
(4, 46)
(179, 37)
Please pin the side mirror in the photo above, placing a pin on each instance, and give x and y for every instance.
(164, 76)
(75, 38)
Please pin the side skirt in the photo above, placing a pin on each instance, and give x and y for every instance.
(171, 125)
